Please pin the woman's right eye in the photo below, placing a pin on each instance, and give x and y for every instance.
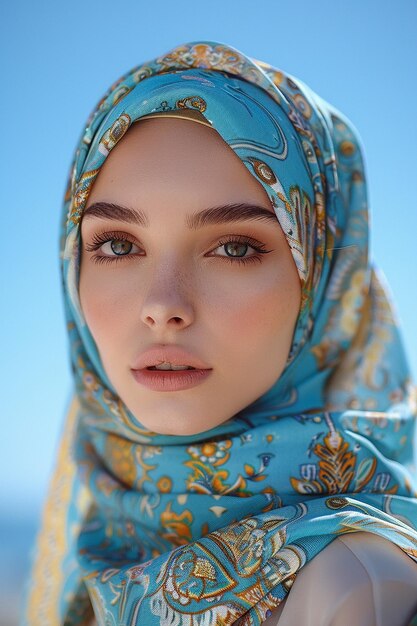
(113, 246)
(120, 247)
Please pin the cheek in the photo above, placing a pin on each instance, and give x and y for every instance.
(258, 319)
(102, 301)
(253, 334)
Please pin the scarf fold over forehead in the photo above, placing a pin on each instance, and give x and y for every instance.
(213, 528)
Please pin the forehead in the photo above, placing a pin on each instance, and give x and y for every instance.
(174, 136)
(175, 155)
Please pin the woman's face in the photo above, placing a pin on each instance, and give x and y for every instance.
(167, 284)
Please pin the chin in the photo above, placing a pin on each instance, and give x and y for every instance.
(178, 427)
(175, 417)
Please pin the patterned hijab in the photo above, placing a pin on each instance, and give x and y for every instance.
(213, 528)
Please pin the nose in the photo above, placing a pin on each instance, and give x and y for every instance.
(167, 304)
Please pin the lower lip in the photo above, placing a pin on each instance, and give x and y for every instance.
(170, 380)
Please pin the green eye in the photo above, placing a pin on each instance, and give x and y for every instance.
(233, 248)
(121, 246)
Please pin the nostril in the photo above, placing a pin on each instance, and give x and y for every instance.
(163, 318)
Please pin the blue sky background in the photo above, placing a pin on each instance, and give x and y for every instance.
(57, 60)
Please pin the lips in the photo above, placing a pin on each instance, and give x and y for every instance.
(170, 381)
(176, 355)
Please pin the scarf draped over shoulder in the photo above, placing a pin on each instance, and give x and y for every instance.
(213, 528)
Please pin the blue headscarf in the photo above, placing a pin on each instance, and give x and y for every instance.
(213, 527)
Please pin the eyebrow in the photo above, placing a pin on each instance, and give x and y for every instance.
(223, 214)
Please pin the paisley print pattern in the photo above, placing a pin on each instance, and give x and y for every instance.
(212, 529)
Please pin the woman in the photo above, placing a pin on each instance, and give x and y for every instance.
(216, 221)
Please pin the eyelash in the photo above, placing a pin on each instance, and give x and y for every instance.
(99, 239)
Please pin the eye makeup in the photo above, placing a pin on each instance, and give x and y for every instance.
(98, 240)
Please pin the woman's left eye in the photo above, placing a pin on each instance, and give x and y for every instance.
(234, 244)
